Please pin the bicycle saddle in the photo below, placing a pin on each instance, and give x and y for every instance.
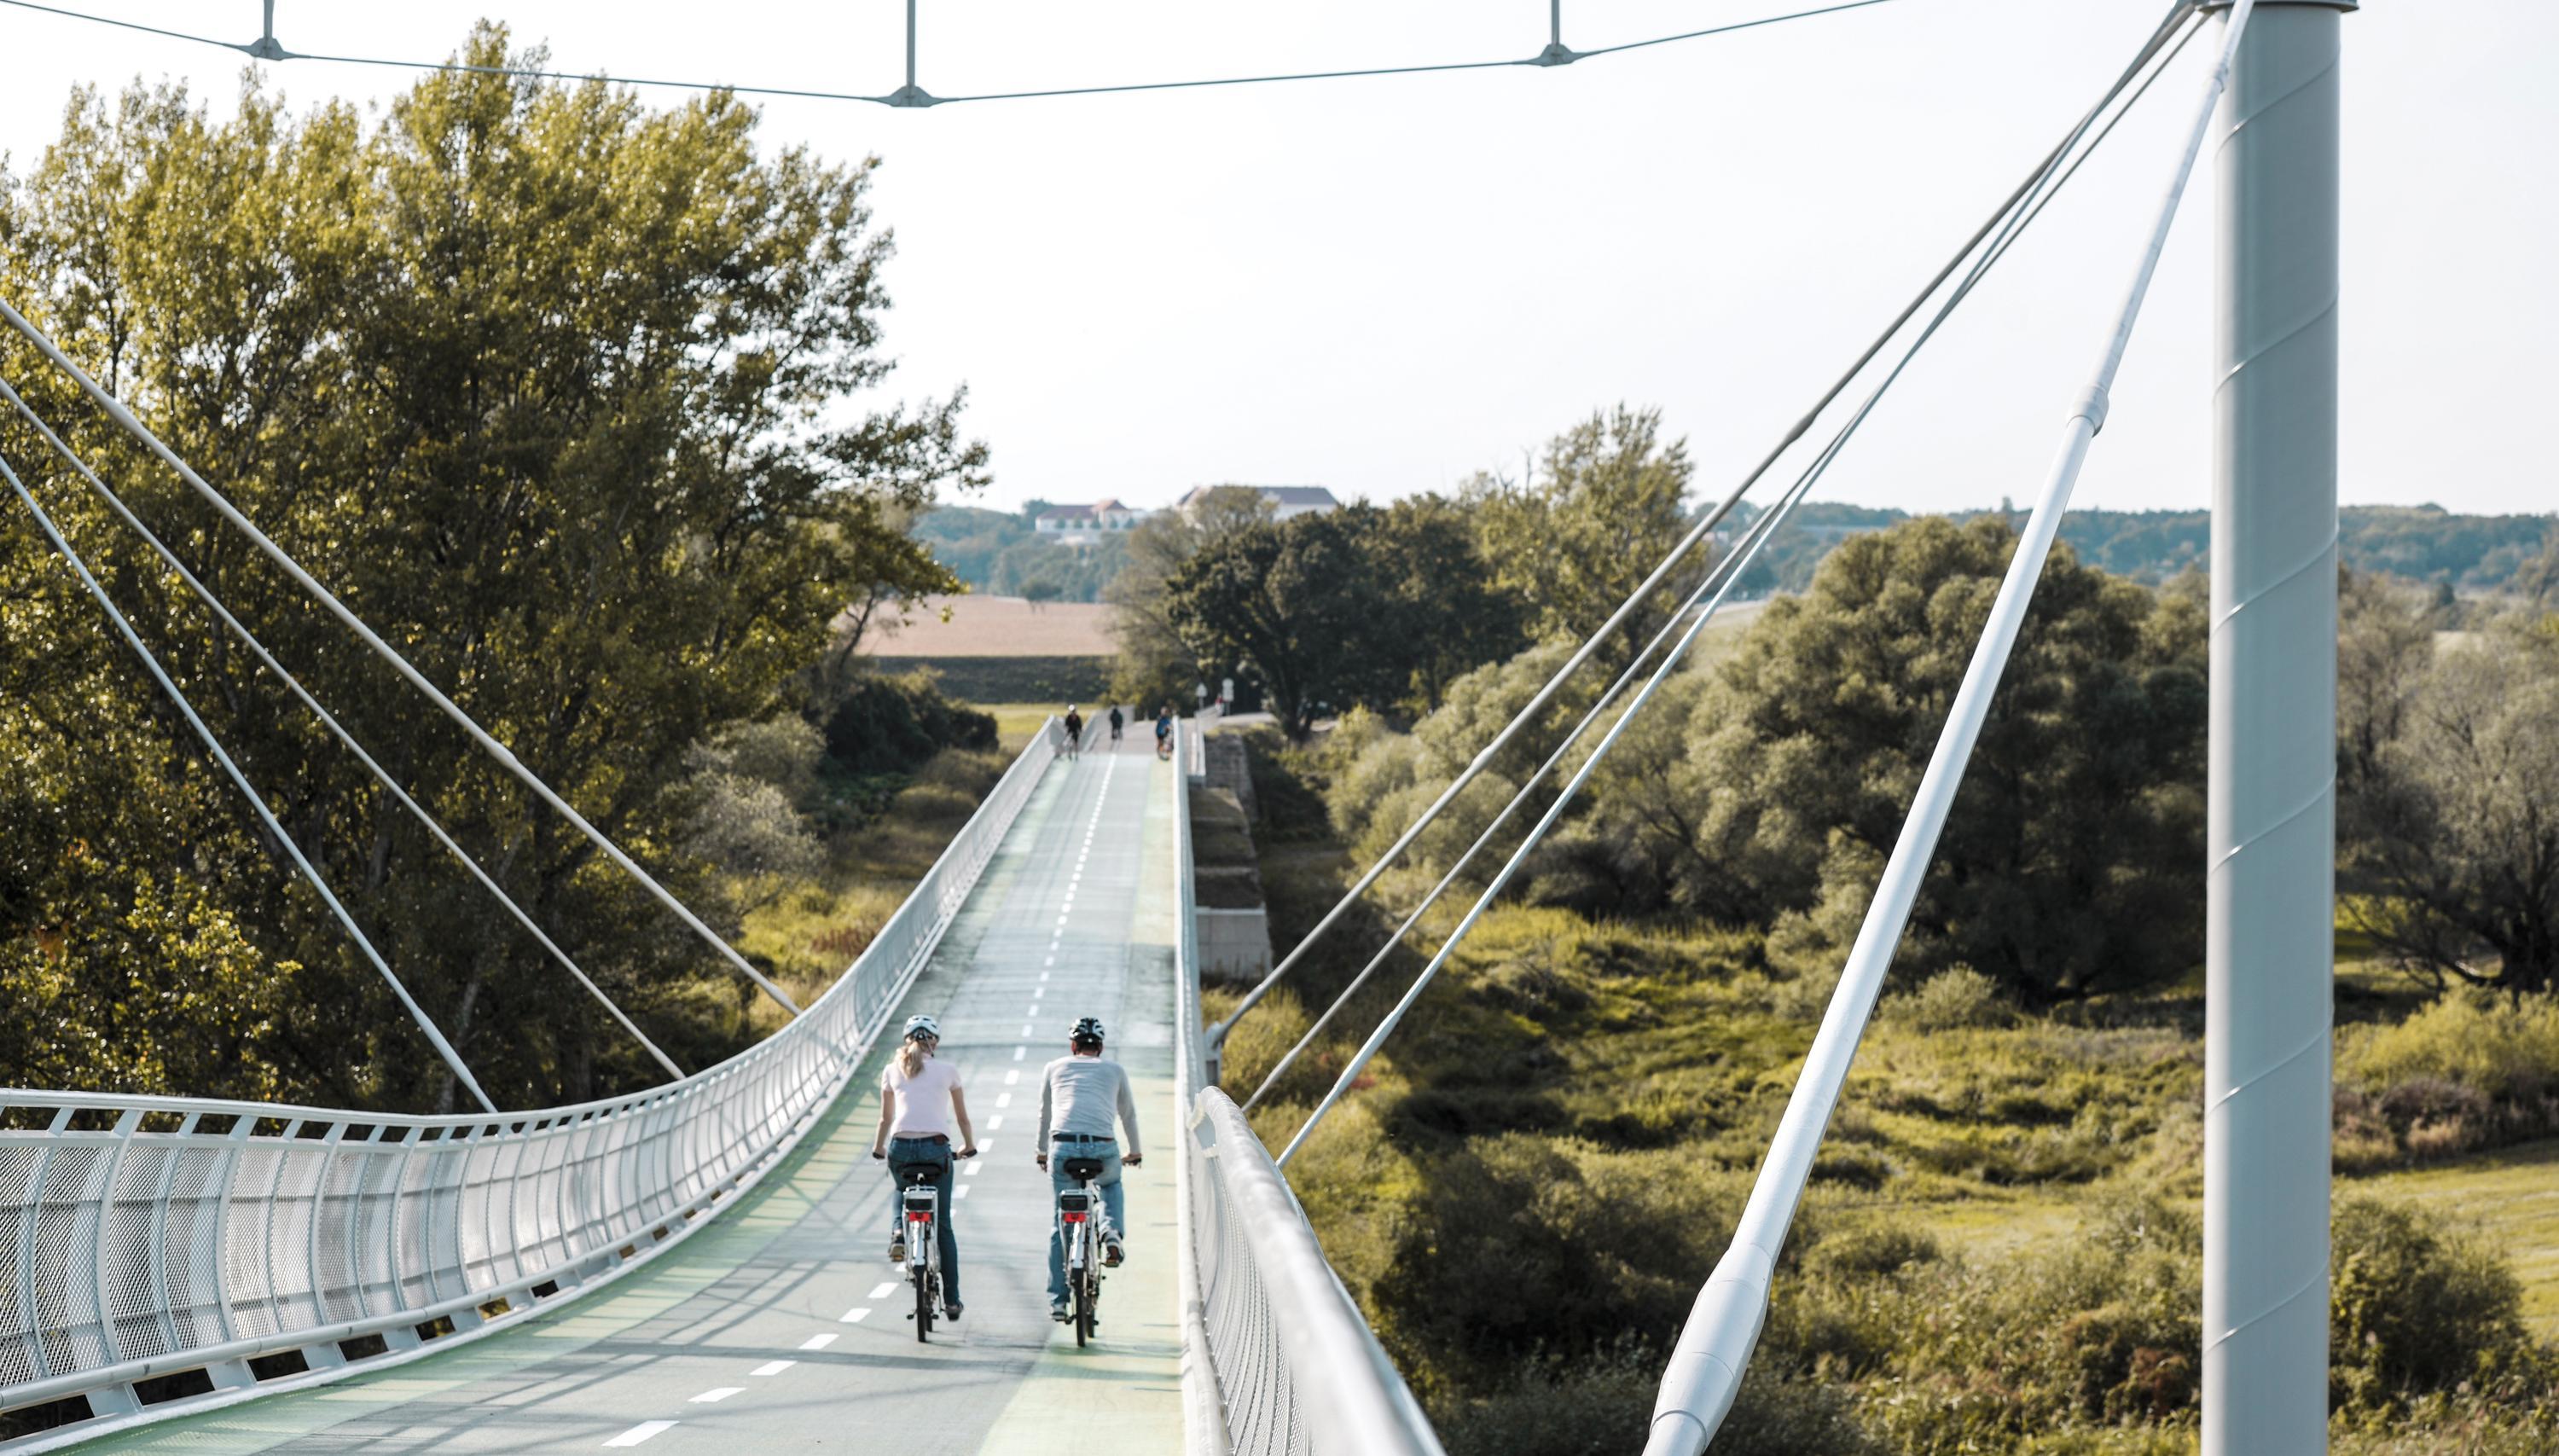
(1081, 1169)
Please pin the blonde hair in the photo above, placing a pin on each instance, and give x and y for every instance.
(910, 1057)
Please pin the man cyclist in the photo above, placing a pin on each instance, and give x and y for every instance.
(1116, 721)
(1074, 730)
(920, 1099)
(1164, 732)
(1080, 1095)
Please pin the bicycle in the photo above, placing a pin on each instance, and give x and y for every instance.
(1080, 1216)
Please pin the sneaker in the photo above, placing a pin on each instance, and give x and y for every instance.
(1060, 1313)
(952, 1310)
(897, 1249)
(1112, 1253)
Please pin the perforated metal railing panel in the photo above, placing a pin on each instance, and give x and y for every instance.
(145, 1235)
(1292, 1365)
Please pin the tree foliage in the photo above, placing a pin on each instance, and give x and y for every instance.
(1577, 539)
(553, 389)
(1156, 666)
(2449, 789)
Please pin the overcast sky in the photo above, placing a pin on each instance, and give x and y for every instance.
(1385, 284)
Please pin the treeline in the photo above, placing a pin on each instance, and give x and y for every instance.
(552, 387)
(2466, 555)
(1000, 552)
(1385, 607)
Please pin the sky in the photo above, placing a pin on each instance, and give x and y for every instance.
(1386, 284)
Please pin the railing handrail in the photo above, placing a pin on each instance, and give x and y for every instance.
(255, 1241)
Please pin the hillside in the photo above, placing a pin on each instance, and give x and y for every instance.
(2473, 555)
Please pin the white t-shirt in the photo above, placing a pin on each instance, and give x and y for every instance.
(923, 1101)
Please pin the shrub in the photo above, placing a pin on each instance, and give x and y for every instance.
(2474, 1070)
(881, 724)
(2414, 1311)
(1958, 998)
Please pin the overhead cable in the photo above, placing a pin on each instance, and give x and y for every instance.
(1705, 527)
(267, 48)
(2019, 212)
(116, 411)
(1705, 1364)
(336, 729)
(267, 816)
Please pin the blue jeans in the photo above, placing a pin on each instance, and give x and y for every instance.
(924, 1155)
(1113, 1203)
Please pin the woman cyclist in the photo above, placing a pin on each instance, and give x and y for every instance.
(920, 1099)
(1164, 732)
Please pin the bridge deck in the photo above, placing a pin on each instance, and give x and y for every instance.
(780, 1326)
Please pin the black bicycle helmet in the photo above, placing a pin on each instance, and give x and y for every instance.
(1087, 1029)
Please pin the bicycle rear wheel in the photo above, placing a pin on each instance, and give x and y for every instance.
(923, 1280)
(1086, 1290)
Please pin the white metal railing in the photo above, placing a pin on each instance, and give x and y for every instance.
(147, 1237)
(1278, 1360)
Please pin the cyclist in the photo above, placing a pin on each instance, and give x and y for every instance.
(920, 1099)
(1074, 730)
(1115, 720)
(1164, 732)
(1080, 1095)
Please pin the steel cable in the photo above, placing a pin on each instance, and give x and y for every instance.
(265, 815)
(336, 729)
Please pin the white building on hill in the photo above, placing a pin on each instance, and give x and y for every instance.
(1082, 525)
(1285, 501)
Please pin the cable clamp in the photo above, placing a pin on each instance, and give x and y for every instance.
(2093, 406)
(913, 96)
(1555, 54)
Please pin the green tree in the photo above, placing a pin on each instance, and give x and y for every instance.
(2448, 802)
(1299, 604)
(556, 390)
(1155, 665)
(1447, 613)
(1575, 541)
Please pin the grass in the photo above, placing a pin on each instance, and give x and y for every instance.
(1016, 723)
(2511, 1198)
(810, 933)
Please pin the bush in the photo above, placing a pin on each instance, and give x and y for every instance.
(1601, 1404)
(2474, 1070)
(881, 725)
(1959, 998)
(2414, 1311)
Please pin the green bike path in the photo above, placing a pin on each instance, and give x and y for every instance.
(781, 1326)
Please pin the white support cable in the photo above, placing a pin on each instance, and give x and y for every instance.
(2008, 211)
(336, 729)
(1502, 877)
(267, 816)
(267, 48)
(1518, 797)
(1703, 1373)
(116, 411)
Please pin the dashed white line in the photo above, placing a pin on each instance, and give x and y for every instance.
(773, 1367)
(1020, 1052)
(994, 1123)
(853, 1316)
(1010, 1077)
(720, 1392)
(884, 1290)
(1003, 1100)
(1026, 1030)
(1036, 993)
(970, 1171)
(960, 1193)
(1052, 961)
(819, 1342)
(640, 1433)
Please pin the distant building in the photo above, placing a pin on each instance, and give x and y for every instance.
(1082, 525)
(1285, 501)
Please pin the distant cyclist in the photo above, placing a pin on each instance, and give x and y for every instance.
(1115, 720)
(1081, 1094)
(1164, 732)
(1074, 730)
(920, 1099)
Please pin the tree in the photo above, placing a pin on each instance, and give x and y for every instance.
(1787, 780)
(1155, 665)
(1575, 541)
(2449, 812)
(559, 393)
(1299, 604)
(1448, 613)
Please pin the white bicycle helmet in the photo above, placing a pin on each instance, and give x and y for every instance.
(921, 1026)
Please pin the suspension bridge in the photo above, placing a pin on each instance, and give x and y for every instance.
(699, 1267)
